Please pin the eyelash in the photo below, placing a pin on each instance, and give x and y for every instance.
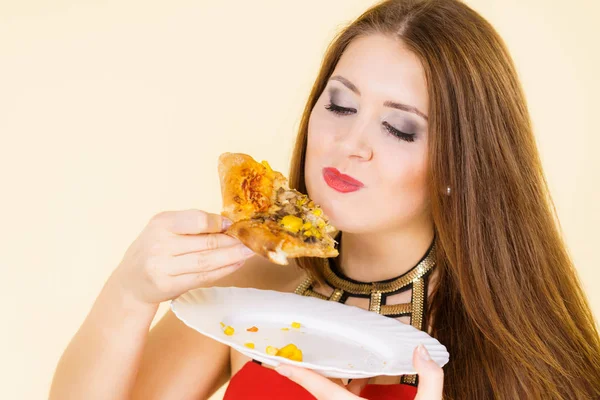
(334, 108)
(341, 111)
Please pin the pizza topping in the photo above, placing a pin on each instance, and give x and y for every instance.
(291, 352)
(292, 223)
(229, 331)
(253, 188)
(298, 215)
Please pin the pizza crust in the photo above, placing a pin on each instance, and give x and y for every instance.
(269, 240)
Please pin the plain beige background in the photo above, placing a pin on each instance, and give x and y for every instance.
(111, 111)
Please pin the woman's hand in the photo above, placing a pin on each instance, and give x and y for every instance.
(178, 251)
(431, 380)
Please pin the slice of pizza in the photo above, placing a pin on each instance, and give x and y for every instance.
(270, 218)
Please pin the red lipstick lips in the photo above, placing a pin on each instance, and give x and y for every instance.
(340, 182)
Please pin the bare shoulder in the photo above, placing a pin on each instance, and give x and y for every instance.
(260, 273)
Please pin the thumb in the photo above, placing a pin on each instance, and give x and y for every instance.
(431, 376)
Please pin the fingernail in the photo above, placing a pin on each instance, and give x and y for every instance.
(423, 353)
(247, 251)
(283, 371)
(226, 223)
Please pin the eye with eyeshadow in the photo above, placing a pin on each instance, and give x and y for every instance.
(344, 111)
(335, 104)
(408, 137)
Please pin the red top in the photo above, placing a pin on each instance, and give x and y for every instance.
(257, 382)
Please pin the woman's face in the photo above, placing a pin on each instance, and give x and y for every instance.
(366, 157)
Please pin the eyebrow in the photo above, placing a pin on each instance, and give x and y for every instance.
(406, 108)
(346, 83)
(391, 104)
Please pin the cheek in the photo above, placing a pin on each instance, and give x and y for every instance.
(410, 174)
(314, 147)
(320, 141)
(321, 130)
(404, 183)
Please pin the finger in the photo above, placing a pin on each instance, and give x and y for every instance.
(184, 244)
(205, 261)
(192, 222)
(319, 386)
(192, 281)
(357, 386)
(431, 376)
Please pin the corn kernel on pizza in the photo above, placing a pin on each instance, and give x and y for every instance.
(270, 218)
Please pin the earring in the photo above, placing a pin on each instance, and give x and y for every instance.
(448, 191)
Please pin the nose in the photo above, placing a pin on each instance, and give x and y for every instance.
(355, 142)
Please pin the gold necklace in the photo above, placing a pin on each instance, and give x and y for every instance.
(378, 292)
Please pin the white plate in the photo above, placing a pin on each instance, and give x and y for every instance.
(337, 340)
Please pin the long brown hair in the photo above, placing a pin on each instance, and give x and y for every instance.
(508, 304)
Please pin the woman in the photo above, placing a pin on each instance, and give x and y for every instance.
(417, 143)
